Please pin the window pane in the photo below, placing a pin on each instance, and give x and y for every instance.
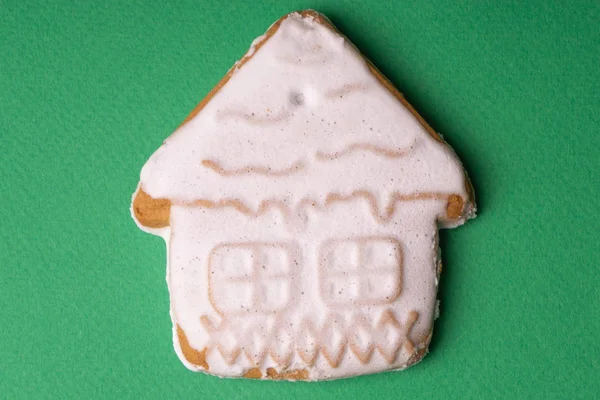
(252, 277)
(274, 294)
(231, 261)
(364, 270)
(274, 260)
(232, 297)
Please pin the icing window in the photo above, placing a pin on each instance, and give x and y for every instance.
(360, 271)
(249, 277)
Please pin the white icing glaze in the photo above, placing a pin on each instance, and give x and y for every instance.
(303, 121)
(274, 114)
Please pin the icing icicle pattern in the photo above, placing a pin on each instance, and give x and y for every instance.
(381, 215)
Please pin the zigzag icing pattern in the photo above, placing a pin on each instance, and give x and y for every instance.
(311, 341)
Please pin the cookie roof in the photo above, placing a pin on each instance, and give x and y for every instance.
(303, 116)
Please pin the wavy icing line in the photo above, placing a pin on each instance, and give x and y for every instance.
(367, 147)
(314, 60)
(347, 89)
(252, 118)
(299, 165)
(382, 216)
(252, 169)
(285, 114)
(308, 352)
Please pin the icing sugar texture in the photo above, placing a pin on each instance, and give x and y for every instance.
(303, 226)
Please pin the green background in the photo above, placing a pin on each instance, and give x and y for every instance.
(89, 90)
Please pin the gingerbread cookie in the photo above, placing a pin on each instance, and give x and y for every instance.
(300, 203)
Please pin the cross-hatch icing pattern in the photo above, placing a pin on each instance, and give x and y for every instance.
(361, 335)
(360, 271)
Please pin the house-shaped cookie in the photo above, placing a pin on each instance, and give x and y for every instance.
(300, 203)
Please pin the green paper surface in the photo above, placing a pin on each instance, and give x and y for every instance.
(89, 89)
